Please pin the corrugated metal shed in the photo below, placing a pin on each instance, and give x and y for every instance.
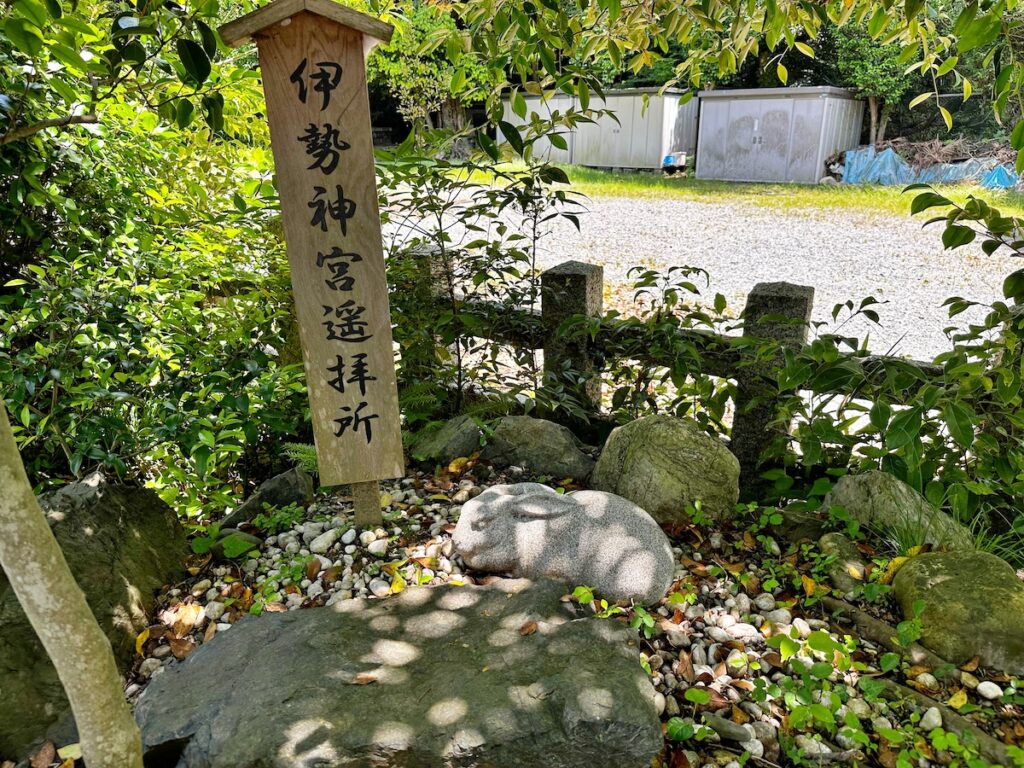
(640, 139)
(775, 134)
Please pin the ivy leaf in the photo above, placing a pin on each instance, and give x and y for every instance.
(195, 61)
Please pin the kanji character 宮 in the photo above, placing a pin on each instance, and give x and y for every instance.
(358, 374)
(338, 261)
(341, 210)
(351, 325)
(354, 420)
(326, 78)
(325, 148)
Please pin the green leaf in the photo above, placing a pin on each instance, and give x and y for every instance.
(1017, 136)
(697, 696)
(677, 729)
(519, 104)
(982, 31)
(195, 61)
(920, 98)
(782, 72)
(512, 135)
(213, 109)
(959, 419)
(904, 427)
(184, 112)
(208, 38)
(889, 662)
(957, 235)
(1013, 286)
(25, 36)
(946, 66)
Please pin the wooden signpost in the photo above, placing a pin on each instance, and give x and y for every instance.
(313, 62)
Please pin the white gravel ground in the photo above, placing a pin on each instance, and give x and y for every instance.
(843, 254)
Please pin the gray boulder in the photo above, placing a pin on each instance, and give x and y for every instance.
(291, 487)
(122, 544)
(501, 676)
(458, 437)
(588, 537)
(885, 505)
(541, 447)
(973, 606)
(663, 463)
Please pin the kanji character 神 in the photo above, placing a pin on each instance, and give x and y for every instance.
(341, 210)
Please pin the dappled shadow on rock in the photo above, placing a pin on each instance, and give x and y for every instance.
(502, 675)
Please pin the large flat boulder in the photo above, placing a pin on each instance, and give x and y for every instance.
(885, 505)
(539, 446)
(973, 606)
(667, 464)
(446, 676)
(122, 544)
(589, 537)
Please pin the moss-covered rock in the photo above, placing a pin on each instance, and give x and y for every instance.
(973, 606)
(539, 446)
(890, 508)
(458, 437)
(663, 464)
(122, 544)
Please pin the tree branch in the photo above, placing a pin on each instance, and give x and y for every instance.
(25, 131)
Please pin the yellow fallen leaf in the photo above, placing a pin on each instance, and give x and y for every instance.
(186, 618)
(894, 565)
(457, 465)
(855, 572)
(915, 551)
(958, 699)
(140, 641)
(69, 763)
(385, 500)
(809, 585)
(71, 752)
(397, 584)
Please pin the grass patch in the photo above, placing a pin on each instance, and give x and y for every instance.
(598, 183)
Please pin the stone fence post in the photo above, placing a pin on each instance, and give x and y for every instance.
(779, 312)
(571, 288)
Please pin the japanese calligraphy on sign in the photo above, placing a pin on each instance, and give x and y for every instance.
(314, 77)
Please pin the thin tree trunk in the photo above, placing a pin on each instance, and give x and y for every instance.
(873, 112)
(58, 612)
(883, 123)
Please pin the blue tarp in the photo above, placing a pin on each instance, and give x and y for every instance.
(866, 166)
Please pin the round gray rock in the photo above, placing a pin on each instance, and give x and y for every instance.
(664, 464)
(540, 446)
(588, 537)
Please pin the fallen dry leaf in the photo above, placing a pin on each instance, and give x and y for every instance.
(958, 699)
(363, 678)
(70, 752)
(739, 716)
(971, 665)
(528, 628)
(140, 641)
(684, 667)
(181, 647)
(211, 630)
(809, 585)
(47, 754)
(698, 569)
(185, 619)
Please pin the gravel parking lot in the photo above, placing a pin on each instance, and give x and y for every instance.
(844, 254)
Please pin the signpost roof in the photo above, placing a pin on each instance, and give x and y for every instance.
(239, 31)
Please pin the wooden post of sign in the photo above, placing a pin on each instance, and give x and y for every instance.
(313, 63)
